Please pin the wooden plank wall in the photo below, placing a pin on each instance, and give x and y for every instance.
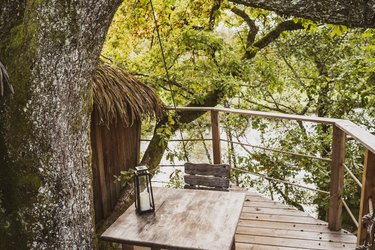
(114, 149)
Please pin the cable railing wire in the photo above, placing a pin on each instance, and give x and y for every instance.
(180, 140)
(349, 212)
(279, 180)
(278, 151)
(353, 176)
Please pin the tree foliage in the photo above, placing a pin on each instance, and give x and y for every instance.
(252, 59)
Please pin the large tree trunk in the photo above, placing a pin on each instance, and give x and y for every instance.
(50, 49)
(355, 13)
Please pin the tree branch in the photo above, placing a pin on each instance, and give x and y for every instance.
(302, 83)
(253, 29)
(213, 14)
(358, 13)
(173, 82)
(272, 36)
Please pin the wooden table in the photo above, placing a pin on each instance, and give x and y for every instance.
(183, 219)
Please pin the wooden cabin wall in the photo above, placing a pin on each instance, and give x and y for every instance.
(114, 149)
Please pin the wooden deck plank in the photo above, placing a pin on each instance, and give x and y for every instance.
(279, 218)
(293, 234)
(246, 246)
(278, 211)
(266, 224)
(296, 243)
(270, 204)
(288, 225)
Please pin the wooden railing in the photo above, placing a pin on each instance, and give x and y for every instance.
(341, 130)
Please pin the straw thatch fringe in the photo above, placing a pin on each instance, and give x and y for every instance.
(118, 95)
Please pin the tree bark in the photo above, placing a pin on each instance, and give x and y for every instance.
(359, 13)
(159, 141)
(50, 49)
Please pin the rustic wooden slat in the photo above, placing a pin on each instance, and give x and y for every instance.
(321, 227)
(279, 218)
(183, 219)
(296, 243)
(293, 234)
(115, 136)
(264, 204)
(102, 173)
(207, 188)
(138, 130)
(216, 137)
(273, 210)
(107, 167)
(96, 183)
(367, 192)
(257, 198)
(337, 179)
(218, 170)
(247, 246)
(194, 180)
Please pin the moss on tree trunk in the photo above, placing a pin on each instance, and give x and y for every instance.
(50, 49)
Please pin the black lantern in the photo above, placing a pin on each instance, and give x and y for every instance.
(144, 198)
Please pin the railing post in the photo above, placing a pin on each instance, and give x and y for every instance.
(216, 137)
(367, 192)
(337, 179)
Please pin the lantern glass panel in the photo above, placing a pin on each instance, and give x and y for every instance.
(144, 201)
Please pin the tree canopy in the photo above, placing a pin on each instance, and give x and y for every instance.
(234, 55)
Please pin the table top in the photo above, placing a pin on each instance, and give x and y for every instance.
(183, 219)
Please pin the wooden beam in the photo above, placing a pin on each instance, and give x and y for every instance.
(337, 179)
(368, 192)
(216, 137)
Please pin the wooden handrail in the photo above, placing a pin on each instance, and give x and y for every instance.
(258, 114)
(358, 133)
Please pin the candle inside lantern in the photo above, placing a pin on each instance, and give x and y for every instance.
(144, 201)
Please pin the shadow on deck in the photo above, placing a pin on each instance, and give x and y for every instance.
(265, 224)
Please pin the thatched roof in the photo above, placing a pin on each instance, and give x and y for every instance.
(118, 95)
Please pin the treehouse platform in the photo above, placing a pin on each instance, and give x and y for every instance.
(265, 224)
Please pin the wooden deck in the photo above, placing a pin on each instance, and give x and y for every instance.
(268, 225)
